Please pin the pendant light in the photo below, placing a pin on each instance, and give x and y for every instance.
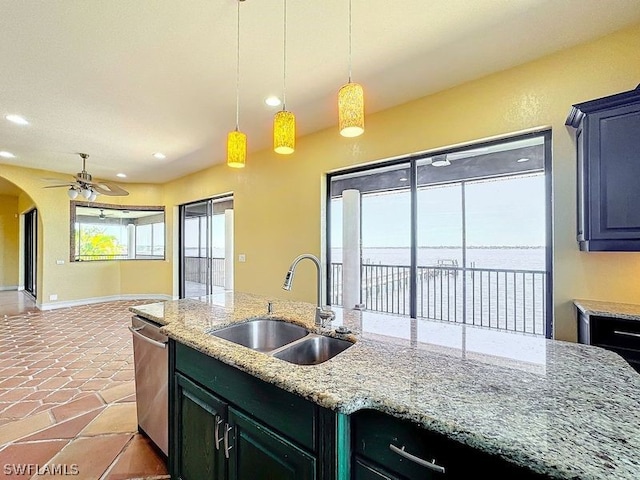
(351, 102)
(236, 140)
(284, 122)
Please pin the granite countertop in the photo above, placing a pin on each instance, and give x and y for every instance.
(628, 311)
(558, 408)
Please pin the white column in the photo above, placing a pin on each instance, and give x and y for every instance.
(351, 261)
(131, 239)
(228, 249)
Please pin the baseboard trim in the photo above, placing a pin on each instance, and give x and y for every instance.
(109, 298)
(9, 287)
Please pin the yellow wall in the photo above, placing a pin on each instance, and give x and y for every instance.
(9, 234)
(278, 200)
(84, 280)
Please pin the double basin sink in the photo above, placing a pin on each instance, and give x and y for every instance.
(283, 340)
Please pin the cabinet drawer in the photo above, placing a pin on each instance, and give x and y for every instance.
(375, 434)
(615, 332)
(283, 411)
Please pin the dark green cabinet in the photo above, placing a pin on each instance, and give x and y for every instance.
(228, 425)
(259, 453)
(385, 447)
(199, 418)
(608, 157)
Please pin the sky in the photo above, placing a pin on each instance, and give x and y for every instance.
(499, 212)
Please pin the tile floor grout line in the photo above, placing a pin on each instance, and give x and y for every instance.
(115, 460)
(55, 423)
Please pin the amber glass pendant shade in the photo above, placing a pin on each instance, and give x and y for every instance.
(351, 110)
(236, 149)
(284, 132)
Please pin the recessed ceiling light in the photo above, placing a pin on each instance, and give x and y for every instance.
(440, 161)
(121, 175)
(522, 160)
(159, 155)
(272, 101)
(4, 154)
(17, 119)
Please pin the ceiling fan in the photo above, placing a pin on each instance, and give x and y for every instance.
(84, 185)
(104, 216)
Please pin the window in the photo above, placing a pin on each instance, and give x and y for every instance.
(114, 232)
(459, 236)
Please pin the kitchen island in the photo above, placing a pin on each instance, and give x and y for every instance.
(559, 409)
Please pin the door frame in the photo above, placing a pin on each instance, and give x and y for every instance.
(30, 252)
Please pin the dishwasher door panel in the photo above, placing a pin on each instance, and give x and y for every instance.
(151, 373)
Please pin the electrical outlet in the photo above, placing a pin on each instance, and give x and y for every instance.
(59, 262)
(53, 296)
(242, 258)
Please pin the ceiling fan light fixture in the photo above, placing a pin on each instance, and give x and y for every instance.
(284, 133)
(93, 196)
(86, 192)
(73, 193)
(236, 149)
(351, 110)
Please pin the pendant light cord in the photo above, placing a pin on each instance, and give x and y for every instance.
(349, 41)
(284, 61)
(238, 71)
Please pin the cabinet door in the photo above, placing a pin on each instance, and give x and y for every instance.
(614, 169)
(258, 453)
(363, 471)
(197, 415)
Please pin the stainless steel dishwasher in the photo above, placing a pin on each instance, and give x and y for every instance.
(150, 357)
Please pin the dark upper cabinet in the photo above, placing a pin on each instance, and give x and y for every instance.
(608, 148)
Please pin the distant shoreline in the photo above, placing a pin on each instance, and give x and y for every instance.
(453, 247)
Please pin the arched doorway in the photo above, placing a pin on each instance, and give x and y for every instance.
(18, 250)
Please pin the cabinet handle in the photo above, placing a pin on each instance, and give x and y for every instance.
(430, 465)
(628, 334)
(219, 422)
(227, 447)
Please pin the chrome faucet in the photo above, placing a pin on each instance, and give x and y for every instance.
(324, 315)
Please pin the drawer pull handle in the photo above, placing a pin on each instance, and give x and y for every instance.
(227, 447)
(628, 334)
(430, 465)
(218, 438)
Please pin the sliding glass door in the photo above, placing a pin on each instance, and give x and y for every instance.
(206, 245)
(460, 236)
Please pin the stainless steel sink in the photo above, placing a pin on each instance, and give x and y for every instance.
(312, 350)
(263, 335)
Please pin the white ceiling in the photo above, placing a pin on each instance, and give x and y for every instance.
(122, 79)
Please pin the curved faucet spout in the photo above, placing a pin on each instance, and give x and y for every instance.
(322, 315)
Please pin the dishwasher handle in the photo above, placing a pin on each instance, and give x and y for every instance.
(136, 333)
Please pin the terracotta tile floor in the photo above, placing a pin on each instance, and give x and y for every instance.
(67, 396)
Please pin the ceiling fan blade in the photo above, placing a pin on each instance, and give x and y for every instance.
(109, 189)
(61, 185)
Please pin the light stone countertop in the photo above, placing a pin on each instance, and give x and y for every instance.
(627, 311)
(558, 408)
